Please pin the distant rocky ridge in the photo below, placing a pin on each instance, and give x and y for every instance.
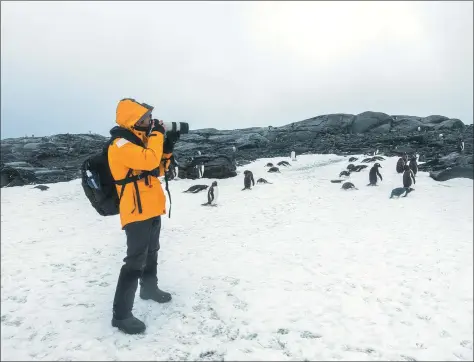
(31, 160)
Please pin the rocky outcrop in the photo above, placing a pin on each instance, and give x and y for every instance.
(454, 165)
(454, 172)
(30, 160)
(218, 167)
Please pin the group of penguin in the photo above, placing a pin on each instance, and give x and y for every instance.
(249, 181)
(409, 168)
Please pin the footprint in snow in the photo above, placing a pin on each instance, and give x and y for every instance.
(407, 358)
(466, 344)
(309, 335)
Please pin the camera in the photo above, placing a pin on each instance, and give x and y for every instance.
(176, 127)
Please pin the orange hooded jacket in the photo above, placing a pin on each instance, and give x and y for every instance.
(124, 155)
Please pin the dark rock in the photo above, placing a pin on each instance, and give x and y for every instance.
(217, 167)
(58, 157)
(454, 172)
(10, 177)
(372, 122)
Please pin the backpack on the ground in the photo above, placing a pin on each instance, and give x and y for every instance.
(98, 183)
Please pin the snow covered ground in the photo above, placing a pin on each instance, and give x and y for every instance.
(295, 270)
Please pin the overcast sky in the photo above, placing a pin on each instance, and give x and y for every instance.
(65, 65)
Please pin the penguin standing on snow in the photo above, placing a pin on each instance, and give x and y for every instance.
(373, 173)
(400, 165)
(212, 195)
(248, 180)
(408, 176)
(413, 164)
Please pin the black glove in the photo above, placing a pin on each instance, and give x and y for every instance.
(170, 140)
(156, 125)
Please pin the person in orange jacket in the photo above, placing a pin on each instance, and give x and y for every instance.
(141, 205)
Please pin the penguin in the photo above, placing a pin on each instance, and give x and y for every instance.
(400, 165)
(263, 181)
(400, 190)
(353, 159)
(269, 164)
(212, 195)
(293, 155)
(248, 179)
(373, 173)
(419, 128)
(196, 188)
(408, 176)
(200, 169)
(460, 145)
(274, 169)
(41, 187)
(172, 172)
(283, 163)
(413, 164)
(345, 173)
(348, 186)
(359, 168)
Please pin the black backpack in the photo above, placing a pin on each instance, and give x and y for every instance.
(99, 185)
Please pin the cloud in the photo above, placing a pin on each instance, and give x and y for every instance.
(226, 65)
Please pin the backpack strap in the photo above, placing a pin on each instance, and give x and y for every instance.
(120, 132)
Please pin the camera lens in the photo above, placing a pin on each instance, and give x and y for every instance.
(184, 127)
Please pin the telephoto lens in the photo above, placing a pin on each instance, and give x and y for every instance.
(177, 127)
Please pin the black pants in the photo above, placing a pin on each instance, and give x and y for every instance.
(143, 243)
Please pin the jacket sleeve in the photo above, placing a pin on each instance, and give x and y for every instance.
(139, 158)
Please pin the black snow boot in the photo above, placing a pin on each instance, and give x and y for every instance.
(155, 294)
(129, 325)
(149, 290)
(123, 318)
(149, 282)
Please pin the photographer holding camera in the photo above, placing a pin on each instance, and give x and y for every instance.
(137, 165)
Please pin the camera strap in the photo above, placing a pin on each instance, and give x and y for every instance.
(168, 191)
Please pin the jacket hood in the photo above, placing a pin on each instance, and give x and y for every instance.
(129, 112)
